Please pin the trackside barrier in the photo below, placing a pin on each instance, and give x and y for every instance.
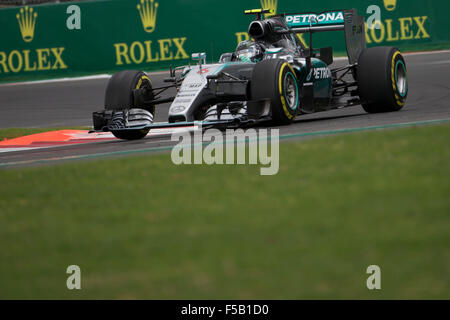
(66, 39)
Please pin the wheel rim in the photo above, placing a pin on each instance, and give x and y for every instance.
(291, 91)
(144, 81)
(401, 78)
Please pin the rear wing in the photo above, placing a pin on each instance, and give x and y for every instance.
(341, 20)
(306, 22)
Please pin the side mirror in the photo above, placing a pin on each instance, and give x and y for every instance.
(201, 57)
(226, 57)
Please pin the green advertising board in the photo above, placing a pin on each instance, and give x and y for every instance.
(103, 36)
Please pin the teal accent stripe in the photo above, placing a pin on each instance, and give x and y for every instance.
(221, 68)
(324, 23)
(282, 137)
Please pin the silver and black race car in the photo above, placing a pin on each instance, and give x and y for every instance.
(273, 78)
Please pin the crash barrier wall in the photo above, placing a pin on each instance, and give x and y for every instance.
(30, 2)
(103, 36)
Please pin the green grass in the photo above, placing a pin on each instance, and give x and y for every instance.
(20, 132)
(141, 227)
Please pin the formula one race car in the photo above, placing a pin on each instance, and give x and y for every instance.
(272, 78)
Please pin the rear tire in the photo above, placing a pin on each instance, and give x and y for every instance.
(382, 79)
(119, 96)
(275, 79)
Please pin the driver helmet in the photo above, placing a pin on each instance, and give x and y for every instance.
(249, 51)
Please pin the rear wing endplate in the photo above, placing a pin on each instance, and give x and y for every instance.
(344, 20)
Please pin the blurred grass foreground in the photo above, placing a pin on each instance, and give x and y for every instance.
(141, 227)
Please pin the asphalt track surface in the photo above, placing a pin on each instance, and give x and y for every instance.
(71, 103)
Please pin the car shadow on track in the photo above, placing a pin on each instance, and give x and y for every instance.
(300, 120)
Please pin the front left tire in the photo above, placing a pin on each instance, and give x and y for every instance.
(275, 79)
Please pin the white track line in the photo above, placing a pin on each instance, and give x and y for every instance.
(437, 62)
(424, 53)
(4, 150)
(84, 78)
